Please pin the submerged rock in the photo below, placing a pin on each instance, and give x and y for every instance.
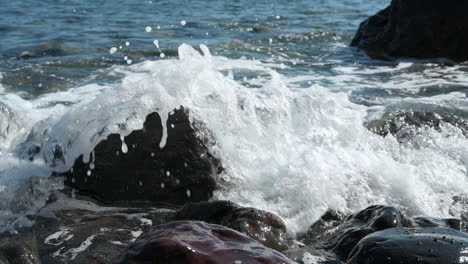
(420, 29)
(412, 246)
(262, 226)
(198, 242)
(403, 124)
(134, 169)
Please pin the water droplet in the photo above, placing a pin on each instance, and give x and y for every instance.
(140, 183)
(168, 173)
(183, 22)
(125, 58)
(113, 50)
(172, 125)
(129, 61)
(156, 43)
(127, 43)
(152, 154)
(189, 193)
(162, 55)
(278, 17)
(88, 173)
(148, 29)
(163, 185)
(270, 41)
(124, 147)
(91, 166)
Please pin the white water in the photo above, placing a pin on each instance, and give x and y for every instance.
(289, 150)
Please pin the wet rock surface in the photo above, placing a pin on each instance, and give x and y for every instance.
(78, 236)
(262, 226)
(403, 125)
(378, 234)
(135, 169)
(421, 29)
(412, 246)
(361, 224)
(198, 242)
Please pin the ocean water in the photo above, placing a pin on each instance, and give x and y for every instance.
(285, 97)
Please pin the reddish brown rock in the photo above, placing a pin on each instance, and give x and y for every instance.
(198, 242)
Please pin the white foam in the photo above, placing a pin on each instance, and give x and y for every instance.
(293, 151)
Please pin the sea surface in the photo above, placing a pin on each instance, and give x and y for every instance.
(288, 101)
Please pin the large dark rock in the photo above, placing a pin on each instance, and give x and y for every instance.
(342, 238)
(139, 171)
(262, 226)
(417, 29)
(412, 246)
(198, 242)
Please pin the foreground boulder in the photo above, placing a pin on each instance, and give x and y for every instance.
(134, 169)
(419, 29)
(262, 226)
(412, 246)
(198, 242)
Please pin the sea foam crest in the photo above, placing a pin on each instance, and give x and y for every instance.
(293, 151)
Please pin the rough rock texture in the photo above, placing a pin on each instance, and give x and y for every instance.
(198, 242)
(363, 223)
(403, 124)
(417, 29)
(412, 246)
(340, 238)
(139, 171)
(262, 226)
(19, 250)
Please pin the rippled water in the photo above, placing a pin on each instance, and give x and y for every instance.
(287, 99)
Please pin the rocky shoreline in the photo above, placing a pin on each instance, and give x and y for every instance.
(147, 197)
(98, 218)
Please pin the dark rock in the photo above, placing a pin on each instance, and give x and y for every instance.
(77, 236)
(323, 227)
(342, 239)
(426, 222)
(22, 250)
(198, 242)
(419, 29)
(181, 172)
(403, 124)
(262, 226)
(412, 246)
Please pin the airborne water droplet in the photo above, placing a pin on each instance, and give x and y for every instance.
(112, 50)
(148, 29)
(124, 148)
(189, 194)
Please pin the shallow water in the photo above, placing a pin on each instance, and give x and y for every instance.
(287, 100)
